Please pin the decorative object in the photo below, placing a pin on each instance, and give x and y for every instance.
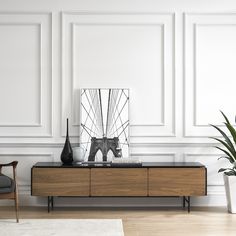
(67, 152)
(126, 162)
(78, 154)
(62, 227)
(229, 154)
(105, 123)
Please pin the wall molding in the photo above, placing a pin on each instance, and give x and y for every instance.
(195, 26)
(132, 144)
(44, 127)
(39, 75)
(191, 128)
(157, 155)
(73, 23)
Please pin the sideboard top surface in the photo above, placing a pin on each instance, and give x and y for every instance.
(108, 165)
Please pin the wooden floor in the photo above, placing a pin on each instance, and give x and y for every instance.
(144, 221)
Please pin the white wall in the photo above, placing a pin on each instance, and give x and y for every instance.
(176, 56)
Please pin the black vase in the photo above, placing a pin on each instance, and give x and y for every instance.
(67, 153)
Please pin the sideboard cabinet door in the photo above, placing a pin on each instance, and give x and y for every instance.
(60, 182)
(177, 181)
(119, 182)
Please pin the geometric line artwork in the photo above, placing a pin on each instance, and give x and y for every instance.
(104, 123)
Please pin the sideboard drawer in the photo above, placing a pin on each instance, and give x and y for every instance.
(119, 182)
(60, 182)
(177, 181)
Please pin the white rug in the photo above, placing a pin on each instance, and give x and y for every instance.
(62, 227)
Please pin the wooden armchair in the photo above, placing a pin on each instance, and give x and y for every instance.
(8, 186)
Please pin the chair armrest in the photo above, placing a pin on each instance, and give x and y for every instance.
(13, 164)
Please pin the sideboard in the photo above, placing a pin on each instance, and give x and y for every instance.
(151, 179)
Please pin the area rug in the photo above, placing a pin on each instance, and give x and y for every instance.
(62, 227)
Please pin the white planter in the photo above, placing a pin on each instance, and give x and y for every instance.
(230, 189)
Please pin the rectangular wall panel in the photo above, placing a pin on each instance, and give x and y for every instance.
(26, 64)
(121, 51)
(209, 71)
(213, 45)
(20, 69)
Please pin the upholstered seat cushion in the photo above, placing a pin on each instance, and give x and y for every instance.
(6, 184)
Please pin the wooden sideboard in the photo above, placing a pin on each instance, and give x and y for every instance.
(154, 179)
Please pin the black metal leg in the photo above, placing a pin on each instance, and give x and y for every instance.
(52, 202)
(188, 204)
(186, 199)
(48, 204)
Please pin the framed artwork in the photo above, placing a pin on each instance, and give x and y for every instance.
(104, 122)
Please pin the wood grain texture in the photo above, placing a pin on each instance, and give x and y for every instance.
(177, 181)
(7, 195)
(60, 182)
(119, 182)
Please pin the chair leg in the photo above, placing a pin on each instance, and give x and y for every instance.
(17, 207)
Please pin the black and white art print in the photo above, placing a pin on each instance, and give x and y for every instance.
(105, 123)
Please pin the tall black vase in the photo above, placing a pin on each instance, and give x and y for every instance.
(67, 153)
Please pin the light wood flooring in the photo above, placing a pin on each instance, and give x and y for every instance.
(144, 221)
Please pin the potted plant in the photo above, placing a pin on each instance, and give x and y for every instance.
(229, 150)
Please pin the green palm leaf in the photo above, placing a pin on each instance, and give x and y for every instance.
(230, 173)
(224, 169)
(231, 150)
(231, 130)
(227, 139)
(228, 144)
(228, 158)
(227, 120)
(229, 126)
(227, 153)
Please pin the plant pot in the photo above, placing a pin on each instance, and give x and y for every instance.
(230, 189)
